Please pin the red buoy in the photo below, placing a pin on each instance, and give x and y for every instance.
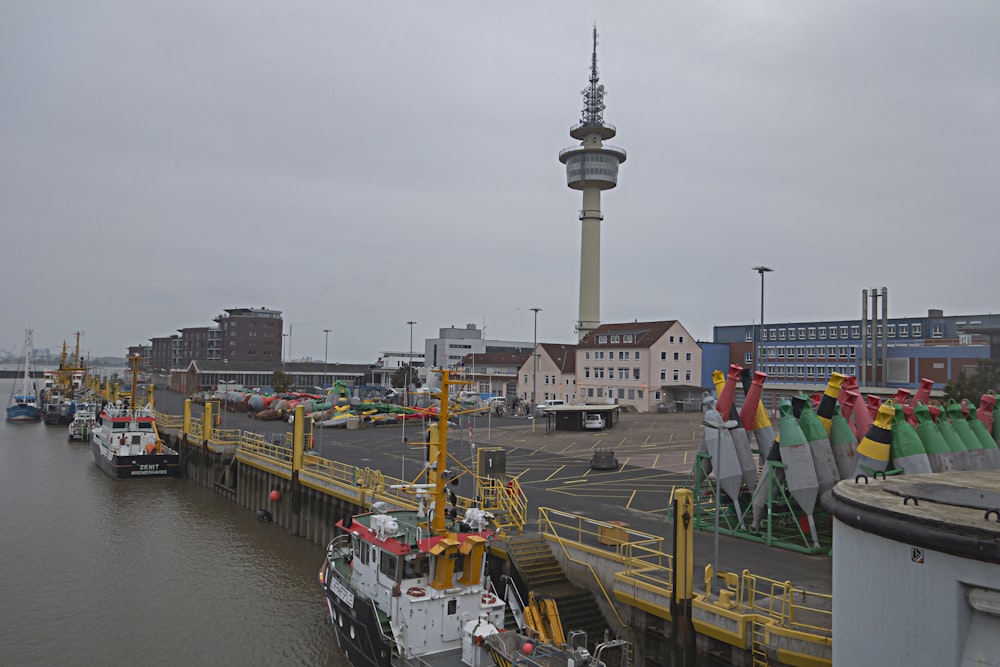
(528, 647)
(275, 496)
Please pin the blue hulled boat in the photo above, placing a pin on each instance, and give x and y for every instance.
(23, 406)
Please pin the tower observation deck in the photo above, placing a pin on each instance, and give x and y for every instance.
(591, 167)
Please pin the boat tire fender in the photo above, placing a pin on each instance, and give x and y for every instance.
(416, 592)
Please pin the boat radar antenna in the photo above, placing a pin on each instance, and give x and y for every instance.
(593, 94)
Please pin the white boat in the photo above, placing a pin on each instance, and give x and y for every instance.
(408, 587)
(84, 421)
(125, 441)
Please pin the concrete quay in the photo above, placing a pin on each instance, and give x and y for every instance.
(655, 452)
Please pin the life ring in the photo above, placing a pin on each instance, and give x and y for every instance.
(416, 592)
(488, 598)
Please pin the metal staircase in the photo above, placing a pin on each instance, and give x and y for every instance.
(537, 571)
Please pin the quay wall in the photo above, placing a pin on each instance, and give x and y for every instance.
(304, 512)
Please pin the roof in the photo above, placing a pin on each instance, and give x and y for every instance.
(564, 356)
(497, 359)
(218, 366)
(645, 334)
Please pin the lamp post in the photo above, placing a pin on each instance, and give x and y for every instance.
(409, 366)
(284, 339)
(759, 331)
(534, 356)
(326, 347)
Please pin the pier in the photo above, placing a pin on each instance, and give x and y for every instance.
(610, 535)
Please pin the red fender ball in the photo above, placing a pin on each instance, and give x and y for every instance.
(275, 496)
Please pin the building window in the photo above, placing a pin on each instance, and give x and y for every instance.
(639, 394)
(671, 340)
(622, 373)
(636, 355)
(781, 352)
(812, 332)
(822, 332)
(635, 373)
(810, 352)
(631, 394)
(677, 375)
(748, 336)
(687, 375)
(843, 332)
(800, 352)
(937, 331)
(791, 334)
(680, 339)
(627, 338)
(621, 392)
(599, 355)
(663, 375)
(663, 356)
(892, 330)
(602, 339)
(917, 330)
(748, 358)
(599, 373)
(781, 334)
(842, 351)
(854, 352)
(904, 331)
(802, 333)
(656, 395)
(855, 331)
(770, 352)
(586, 355)
(615, 338)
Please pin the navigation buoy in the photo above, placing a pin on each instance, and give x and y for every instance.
(528, 647)
(275, 496)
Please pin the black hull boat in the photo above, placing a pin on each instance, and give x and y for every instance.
(143, 465)
(125, 441)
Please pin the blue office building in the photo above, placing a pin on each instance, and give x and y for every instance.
(881, 352)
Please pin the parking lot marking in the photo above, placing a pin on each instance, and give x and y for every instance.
(554, 473)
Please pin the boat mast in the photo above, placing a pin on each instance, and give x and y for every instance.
(438, 522)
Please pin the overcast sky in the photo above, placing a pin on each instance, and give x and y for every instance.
(360, 164)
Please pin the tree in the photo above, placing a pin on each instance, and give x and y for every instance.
(972, 385)
(399, 377)
(281, 381)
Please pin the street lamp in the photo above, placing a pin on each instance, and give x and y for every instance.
(759, 331)
(409, 366)
(326, 345)
(534, 356)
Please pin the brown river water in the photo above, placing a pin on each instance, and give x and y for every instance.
(95, 571)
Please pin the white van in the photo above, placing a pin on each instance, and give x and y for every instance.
(549, 403)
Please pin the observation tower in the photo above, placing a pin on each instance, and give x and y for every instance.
(591, 167)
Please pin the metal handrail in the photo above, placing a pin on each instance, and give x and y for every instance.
(545, 524)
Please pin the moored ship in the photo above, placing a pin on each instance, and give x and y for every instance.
(409, 586)
(125, 441)
(23, 406)
(84, 421)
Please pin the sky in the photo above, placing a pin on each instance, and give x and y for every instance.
(361, 165)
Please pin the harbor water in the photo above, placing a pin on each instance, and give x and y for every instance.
(144, 572)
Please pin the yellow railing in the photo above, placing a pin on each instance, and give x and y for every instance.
(787, 606)
(165, 420)
(569, 528)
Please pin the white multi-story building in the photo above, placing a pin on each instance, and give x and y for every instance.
(453, 343)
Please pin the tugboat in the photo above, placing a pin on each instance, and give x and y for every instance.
(408, 587)
(62, 387)
(23, 406)
(84, 420)
(125, 441)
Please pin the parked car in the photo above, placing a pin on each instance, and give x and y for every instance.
(593, 421)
